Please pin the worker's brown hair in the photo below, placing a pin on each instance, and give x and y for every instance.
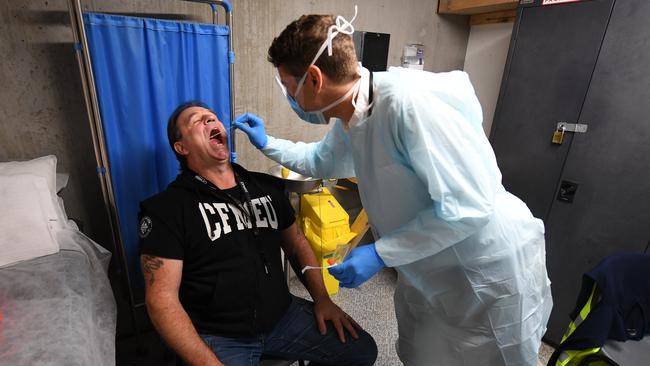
(298, 43)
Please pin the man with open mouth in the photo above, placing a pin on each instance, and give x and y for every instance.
(210, 254)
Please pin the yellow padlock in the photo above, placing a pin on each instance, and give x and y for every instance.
(558, 135)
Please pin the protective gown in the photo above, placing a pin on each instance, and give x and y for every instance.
(472, 285)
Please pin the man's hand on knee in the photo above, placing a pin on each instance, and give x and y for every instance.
(326, 310)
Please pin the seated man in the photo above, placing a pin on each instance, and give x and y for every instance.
(210, 254)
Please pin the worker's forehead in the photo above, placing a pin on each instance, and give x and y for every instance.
(285, 76)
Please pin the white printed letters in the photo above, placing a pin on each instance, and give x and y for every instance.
(217, 216)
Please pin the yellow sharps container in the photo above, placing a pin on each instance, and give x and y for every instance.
(326, 226)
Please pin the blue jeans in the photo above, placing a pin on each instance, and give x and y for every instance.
(296, 336)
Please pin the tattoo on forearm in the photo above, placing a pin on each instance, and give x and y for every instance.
(149, 265)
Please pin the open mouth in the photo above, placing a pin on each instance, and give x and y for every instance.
(217, 136)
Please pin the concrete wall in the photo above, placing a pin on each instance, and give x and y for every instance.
(487, 50)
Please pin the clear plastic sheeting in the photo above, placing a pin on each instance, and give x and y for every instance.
(59, 309)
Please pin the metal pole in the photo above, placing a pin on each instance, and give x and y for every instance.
(97, 132)
(229, 22)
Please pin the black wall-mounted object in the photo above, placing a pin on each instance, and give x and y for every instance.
(580, 62)
(567, 191)
(372, 49)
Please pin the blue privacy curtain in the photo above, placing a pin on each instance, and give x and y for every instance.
(145, 68)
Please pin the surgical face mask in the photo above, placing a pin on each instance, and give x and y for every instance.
(317, 116)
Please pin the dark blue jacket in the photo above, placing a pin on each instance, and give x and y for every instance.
(623, 311)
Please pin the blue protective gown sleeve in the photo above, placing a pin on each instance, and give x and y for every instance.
(454, 160)
(327, 158)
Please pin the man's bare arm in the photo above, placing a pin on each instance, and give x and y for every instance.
(162, 279)
(297, 248)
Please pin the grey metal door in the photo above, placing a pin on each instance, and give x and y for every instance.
(551, 58)
(610, 211)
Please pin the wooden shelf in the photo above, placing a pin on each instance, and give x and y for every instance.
(507, 16)
(469, 7)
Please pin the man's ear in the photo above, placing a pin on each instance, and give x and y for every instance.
(316, 78)
(180, 148)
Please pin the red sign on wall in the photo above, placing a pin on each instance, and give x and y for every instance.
(553, 2)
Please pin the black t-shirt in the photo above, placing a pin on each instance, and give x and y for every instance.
(232, 282)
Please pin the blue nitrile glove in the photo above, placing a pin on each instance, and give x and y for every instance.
(362, 264)
(253, 126)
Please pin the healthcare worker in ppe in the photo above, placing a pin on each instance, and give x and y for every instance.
(472, 285)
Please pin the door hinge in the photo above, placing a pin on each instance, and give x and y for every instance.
(572, 127)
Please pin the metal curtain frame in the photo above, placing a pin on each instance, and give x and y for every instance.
(97, 131)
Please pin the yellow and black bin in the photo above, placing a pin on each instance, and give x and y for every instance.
(326, 226)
